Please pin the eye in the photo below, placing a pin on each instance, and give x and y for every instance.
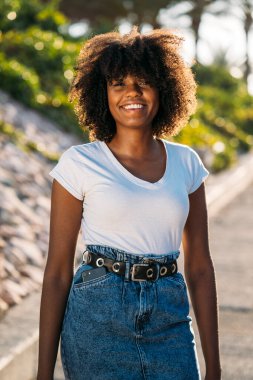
(117, 84)
(144, 83)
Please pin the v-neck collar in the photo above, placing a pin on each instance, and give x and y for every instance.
(130, 176)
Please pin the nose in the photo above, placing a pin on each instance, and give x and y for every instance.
(133, 90)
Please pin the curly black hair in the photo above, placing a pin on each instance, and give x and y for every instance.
(152, 56)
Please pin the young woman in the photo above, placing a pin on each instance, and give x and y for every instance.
(124, 314)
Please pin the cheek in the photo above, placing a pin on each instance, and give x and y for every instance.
(110, 104)
(112, 101)
(154, 98)
(155, 105)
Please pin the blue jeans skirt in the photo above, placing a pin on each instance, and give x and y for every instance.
(118, 329)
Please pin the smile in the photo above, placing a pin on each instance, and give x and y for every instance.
(133, 106)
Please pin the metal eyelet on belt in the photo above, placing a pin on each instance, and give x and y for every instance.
(100, 262)
(116, 267)
(163, 271)
(150, 273)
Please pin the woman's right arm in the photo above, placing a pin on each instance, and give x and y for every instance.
(65, 220)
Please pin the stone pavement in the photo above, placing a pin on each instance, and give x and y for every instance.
(25, 189)
(231, 242)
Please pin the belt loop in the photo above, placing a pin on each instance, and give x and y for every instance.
(157, 271)
(84, 256)
(119, 256)
(127, 270)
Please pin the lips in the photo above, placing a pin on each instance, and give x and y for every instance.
(133, 106)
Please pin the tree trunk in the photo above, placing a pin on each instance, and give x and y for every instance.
(195, 27)
(248, 22)
(247, 70)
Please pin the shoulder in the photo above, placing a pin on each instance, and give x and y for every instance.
(72, 169)
(82, 149)
(187, 161)
(183, 151)
(82, 152)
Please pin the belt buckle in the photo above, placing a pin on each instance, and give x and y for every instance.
(134, 272)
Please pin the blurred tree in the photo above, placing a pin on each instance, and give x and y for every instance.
(244, 11)
(198, 8)
(103, 16)
(37, 59)
(195, 10)
(220, 58)
(247, 8)
(100, 15)
(20, 14)
(218, 76)
(36, 67)
(146, 11)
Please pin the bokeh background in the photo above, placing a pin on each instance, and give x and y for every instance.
(39, 44)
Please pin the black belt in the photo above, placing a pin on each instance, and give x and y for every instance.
(152, 270)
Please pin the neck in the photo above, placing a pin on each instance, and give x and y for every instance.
(134, 143)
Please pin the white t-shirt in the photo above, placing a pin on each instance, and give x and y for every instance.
(126, 212)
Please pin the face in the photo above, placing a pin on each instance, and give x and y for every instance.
(132, 102)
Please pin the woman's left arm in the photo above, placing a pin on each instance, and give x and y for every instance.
(200, 278)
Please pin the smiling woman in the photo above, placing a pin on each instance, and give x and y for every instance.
(124, 313)
(153, 59)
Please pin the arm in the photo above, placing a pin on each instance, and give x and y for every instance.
(200, 277)
(65, 219)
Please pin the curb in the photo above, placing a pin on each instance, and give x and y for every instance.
(19, 340)
(19, 329)
(224, 187)
(20, 363)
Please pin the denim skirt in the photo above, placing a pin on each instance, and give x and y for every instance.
(118, 329)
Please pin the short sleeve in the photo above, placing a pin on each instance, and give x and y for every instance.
(67, 173)
(198, 172)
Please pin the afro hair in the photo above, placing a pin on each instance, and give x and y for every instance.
(153, 56)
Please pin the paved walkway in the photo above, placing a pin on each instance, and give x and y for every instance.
(231, 242)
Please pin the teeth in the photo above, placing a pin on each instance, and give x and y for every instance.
(130, 106)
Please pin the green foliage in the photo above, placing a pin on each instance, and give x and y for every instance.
(45, 52)
(20, 14)
(216, 76)
(36, 63)
(217, 151)
(223, 160)
(224, 118)
(21, 82)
